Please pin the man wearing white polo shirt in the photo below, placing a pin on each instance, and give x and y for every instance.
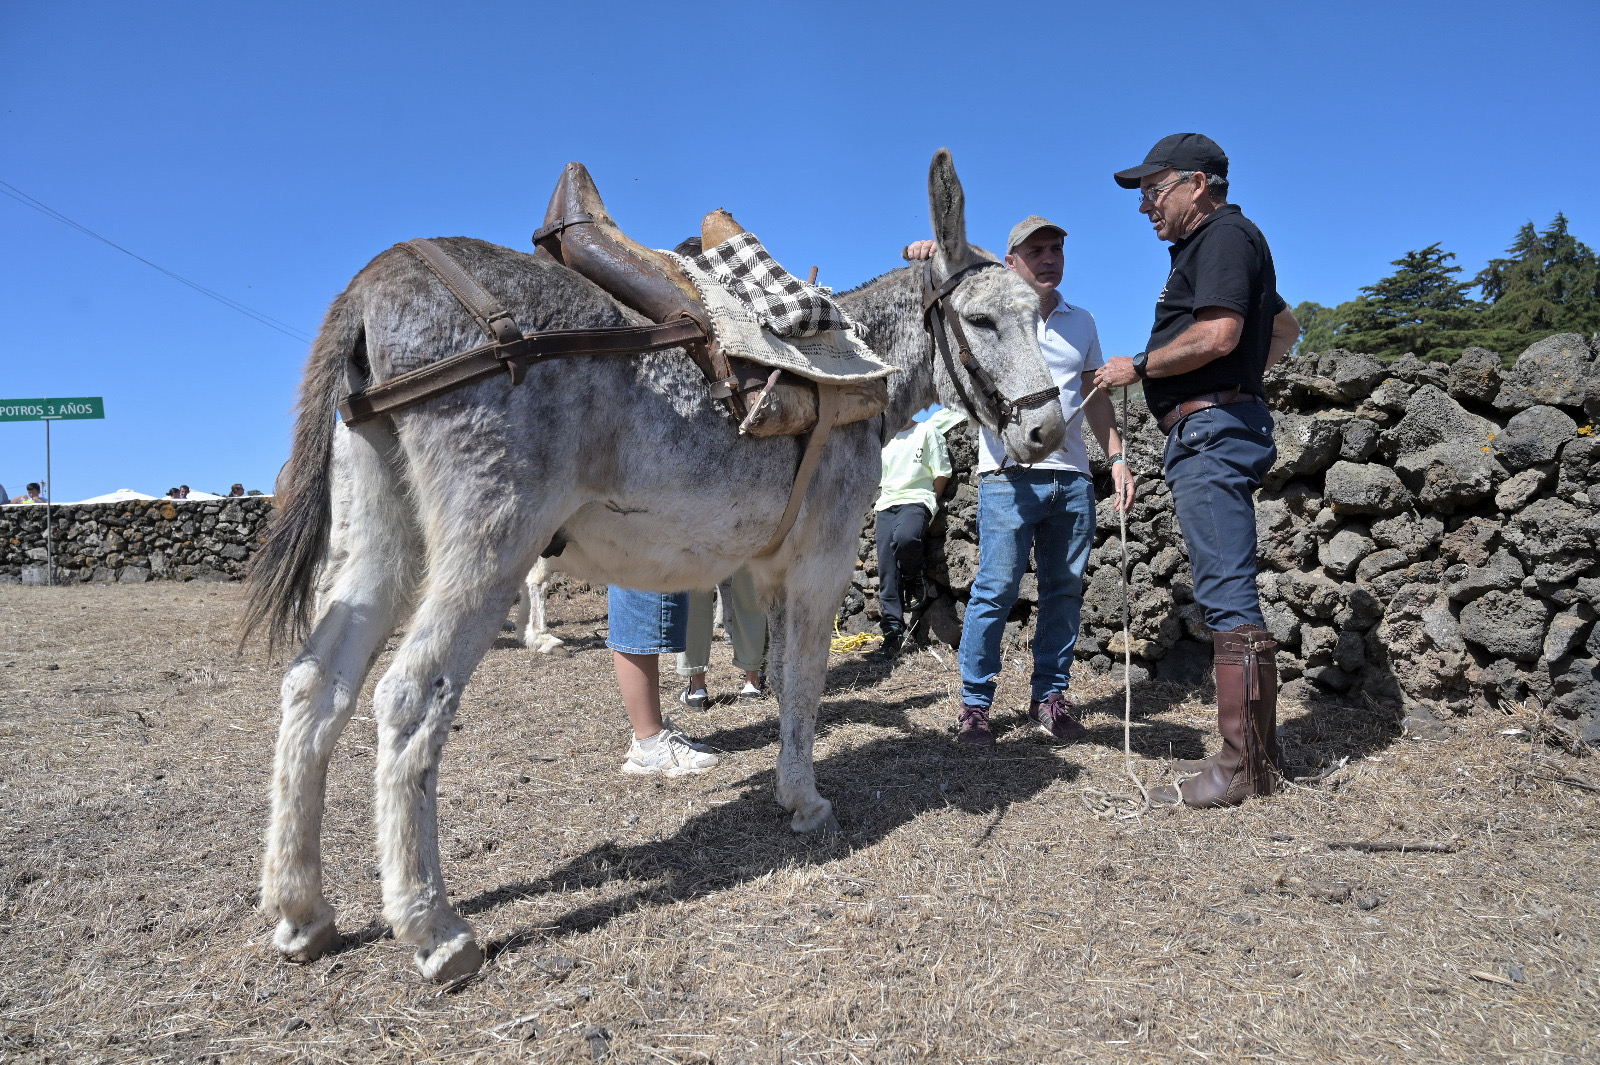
(1047, 507)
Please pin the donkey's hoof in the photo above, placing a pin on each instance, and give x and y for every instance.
(544, 644)
(307, 942)
(816, 818)
(452, 959)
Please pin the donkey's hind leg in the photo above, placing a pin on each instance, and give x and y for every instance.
(468, 594)
(363, 592)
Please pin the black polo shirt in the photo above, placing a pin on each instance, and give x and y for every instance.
(1225, 262)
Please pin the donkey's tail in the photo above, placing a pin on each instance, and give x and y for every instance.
(282, 580)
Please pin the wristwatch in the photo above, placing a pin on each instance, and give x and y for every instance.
(1141, 365)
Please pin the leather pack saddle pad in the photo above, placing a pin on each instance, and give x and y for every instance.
(832, 356)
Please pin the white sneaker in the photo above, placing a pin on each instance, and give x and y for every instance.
(750, 691)
(695, 699)
(669, 753)
(669, 725)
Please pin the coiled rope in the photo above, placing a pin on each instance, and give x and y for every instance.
(843, 645)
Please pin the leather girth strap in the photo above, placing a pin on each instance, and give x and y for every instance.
(827, 406)
(509, 350)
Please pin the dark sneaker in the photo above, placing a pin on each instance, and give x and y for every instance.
(973, 725)
(1056, 716)
(913, 593)
(889, 649)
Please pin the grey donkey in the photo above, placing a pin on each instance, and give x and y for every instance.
(432, 516)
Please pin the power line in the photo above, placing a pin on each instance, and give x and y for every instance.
(249, 312)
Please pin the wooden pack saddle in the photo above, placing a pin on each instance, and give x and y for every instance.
(580, 234)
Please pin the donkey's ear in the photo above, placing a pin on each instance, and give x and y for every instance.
(948, 205)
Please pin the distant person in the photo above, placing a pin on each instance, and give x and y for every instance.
(746, 622)
(33, 495)
(236, 491)
(183, 491)
(643, 626)
(916, 469)
(172, 493)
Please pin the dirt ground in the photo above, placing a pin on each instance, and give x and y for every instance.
(975, 908)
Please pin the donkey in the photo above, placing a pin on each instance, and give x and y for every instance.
(437, 512)
(532, 626)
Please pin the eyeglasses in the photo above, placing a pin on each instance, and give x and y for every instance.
(1153, 193)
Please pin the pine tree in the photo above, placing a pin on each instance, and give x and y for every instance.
(1549, 283)
(1318, 326)
(1420, 308)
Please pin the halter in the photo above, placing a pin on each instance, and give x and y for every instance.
(935, 316)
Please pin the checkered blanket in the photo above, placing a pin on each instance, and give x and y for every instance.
(834, 356)
(785, 304)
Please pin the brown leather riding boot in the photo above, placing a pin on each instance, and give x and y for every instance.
(1247, 717)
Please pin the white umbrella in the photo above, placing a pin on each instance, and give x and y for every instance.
(121, 495)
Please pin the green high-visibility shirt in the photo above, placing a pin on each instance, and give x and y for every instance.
(913, 460)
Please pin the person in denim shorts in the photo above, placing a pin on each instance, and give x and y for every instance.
(643, 626)
(1220, 325)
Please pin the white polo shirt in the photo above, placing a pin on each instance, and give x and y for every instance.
(1071, 345)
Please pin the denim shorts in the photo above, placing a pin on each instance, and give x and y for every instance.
(647, 623)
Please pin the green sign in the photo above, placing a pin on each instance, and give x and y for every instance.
(38, 410)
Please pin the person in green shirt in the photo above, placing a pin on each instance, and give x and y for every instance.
(916, 468)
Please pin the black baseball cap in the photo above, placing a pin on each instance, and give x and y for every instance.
(1181, 151)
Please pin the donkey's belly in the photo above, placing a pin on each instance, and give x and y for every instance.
(668, 544)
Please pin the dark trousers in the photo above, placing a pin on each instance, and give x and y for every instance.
(899, 533)
(1215, 460)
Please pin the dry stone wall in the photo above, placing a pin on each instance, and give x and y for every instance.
(162, 539)
(1427, 536)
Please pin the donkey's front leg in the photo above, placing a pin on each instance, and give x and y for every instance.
(800, 630)
(415, 704)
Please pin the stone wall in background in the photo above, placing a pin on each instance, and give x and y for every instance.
(171, 539)
(1427, 536)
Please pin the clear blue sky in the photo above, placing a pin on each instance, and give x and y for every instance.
(268, 151)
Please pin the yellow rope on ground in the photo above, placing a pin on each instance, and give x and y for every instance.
(843, 645)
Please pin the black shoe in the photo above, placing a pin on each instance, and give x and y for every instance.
(913, 593)
(889, 649)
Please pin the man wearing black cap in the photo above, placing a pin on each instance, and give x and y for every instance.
(1220, 324)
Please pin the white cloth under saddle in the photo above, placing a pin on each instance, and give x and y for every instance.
(832, 355)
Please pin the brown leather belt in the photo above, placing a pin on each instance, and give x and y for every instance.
(1225, 398)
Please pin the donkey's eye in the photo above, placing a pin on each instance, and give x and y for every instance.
(981, 320)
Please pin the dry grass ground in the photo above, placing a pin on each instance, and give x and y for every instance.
(974, 909)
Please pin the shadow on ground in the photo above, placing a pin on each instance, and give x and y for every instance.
(876, 788)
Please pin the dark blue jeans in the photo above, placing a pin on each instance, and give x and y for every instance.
(1214, 463)
(899, 531)
(1051, 512)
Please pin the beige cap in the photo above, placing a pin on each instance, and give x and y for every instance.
(1027, 228)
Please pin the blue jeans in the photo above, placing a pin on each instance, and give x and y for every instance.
(1215, 460)
(1052, 512)
(646, 623)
